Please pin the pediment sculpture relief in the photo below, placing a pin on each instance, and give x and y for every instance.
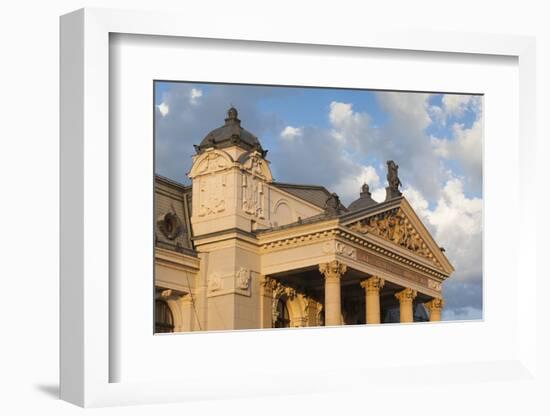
(394, 226)
(254, 165)
(212, 162)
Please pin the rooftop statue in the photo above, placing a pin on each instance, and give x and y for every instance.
(332, 206)
(392, 191)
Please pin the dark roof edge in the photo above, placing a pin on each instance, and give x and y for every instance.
(224, 232)
(172, 182)
(301, 186)
(310, 220)
(360, 212)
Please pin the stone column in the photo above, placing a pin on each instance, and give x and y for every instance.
(202, 295)
(372, 287)
(406, 297)
(332, 272)
(434, 307)
(266, 301)
(187, 318)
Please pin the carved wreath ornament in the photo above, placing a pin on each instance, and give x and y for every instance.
(243, 278)
(394, 226)
(170, 225)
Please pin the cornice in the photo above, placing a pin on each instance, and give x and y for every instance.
(335, 231)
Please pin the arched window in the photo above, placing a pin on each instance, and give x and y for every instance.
(283, 318)
(164, 321)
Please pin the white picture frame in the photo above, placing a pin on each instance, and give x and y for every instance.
(86, 355)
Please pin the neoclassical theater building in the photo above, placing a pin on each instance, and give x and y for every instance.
(238, 250)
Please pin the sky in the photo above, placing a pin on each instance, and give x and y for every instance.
(342, 138)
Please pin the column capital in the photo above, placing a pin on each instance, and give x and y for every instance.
(435, 304)
(373, 284)
(406, 294)
(267, 282)
(333, 269)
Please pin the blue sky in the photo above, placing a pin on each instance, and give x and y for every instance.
(341, 138)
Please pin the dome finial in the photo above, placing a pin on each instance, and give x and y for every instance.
(232, 113)
(365, 189)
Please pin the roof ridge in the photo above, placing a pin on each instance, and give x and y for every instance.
(298, 185)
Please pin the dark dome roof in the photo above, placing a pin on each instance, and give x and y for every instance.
(230, 134)
(365, 200)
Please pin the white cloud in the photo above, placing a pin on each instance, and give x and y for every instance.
(465, 146)
(349, 187)
(348, 126)
(339, 113)
(456, 224)
(417, 201)
(194, 95)
(187, 122)
(455, 105)
(437, 114)
(164, 109)
(289, 132)
(379, 194)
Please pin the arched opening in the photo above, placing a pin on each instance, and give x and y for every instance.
(283, 317)
(164, 321)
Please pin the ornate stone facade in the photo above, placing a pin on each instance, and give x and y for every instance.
(237, 250)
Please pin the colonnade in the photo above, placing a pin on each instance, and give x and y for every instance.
(333, 272)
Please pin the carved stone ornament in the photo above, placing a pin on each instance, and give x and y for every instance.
(255, 164)
(331, 247)
(434, 304)
(373, 284)
(268, 283)
(212, 162)
(279, 291)
(214, 282)
(394, 226)
(333, 269)
(253, 196)
(332, 204)
(392, 190)
(432, 284)
(406, 295)
(243, 278)
(212, 194)
(170, 225)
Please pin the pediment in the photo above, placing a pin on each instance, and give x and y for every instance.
(399, 225)
(256, 165)
(210, 161)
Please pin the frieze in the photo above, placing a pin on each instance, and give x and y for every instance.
(393, 268)
(336, 247)
(432, 284)
(284, 243)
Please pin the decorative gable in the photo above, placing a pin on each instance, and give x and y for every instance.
(397, 227)
(256, 165)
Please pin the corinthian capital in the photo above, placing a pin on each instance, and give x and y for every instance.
(333, 269)
(373, 284)
(435, 304)
(406, 295)
(267, 282)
